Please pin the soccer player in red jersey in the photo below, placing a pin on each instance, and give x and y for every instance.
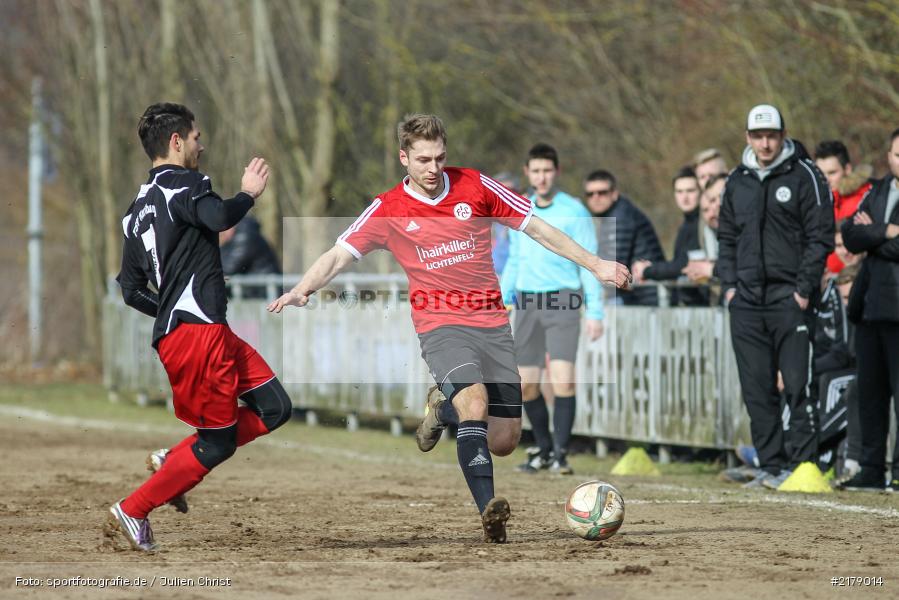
(171, 243)
(437, 223)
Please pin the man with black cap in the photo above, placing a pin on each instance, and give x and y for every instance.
(775, 231)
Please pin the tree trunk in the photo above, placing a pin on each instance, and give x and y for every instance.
(316, 188)
(171, 74)
(109, 260)
(269, 209)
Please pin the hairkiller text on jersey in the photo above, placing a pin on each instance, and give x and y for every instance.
(445, 248)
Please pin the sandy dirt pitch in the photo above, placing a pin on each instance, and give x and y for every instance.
(308, 515)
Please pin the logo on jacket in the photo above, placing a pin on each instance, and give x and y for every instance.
(412, 226)
(783, 194)
(462, 211)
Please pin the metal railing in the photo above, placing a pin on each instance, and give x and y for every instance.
(662, 375)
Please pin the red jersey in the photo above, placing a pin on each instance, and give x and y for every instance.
(443, 245)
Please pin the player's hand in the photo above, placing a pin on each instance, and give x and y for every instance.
(291, 298)
(729, 296)
(611, 272)
(595, 329)
(255, 176)
(802, 302)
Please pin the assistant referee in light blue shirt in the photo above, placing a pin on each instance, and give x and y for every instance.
(548, 292)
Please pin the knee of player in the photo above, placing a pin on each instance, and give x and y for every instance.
(530, 391)
(563, 389)
(271, 403)
(471, 406)
(503, 447)
(211, 453)
(284, 406)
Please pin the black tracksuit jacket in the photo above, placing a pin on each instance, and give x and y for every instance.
(775, 234)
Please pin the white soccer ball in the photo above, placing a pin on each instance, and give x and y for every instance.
(595, 510)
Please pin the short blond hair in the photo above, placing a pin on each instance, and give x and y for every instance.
(705, 156)
(416, 127)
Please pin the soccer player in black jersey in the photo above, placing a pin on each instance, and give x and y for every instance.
(172, 271)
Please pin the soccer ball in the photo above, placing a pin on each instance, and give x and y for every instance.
(595, 510)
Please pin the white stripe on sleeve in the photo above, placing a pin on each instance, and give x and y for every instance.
(814, 181)
(516, 202)
(361, 219)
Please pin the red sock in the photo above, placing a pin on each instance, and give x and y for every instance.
(188, 441)
(249, 426)
(180, 472)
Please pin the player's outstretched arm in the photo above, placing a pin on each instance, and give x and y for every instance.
(554, 240)
(322, 271)
(218, 215)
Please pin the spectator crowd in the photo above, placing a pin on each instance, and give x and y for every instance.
(800, 250)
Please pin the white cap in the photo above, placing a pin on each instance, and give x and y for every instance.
(764, 116)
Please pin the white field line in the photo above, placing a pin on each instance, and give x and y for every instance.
(80, 423)
(710, 498)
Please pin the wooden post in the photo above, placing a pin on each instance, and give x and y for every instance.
(352, 422)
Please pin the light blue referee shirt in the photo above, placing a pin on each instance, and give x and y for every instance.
(533, 268)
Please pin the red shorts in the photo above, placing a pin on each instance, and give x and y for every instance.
(209, 367)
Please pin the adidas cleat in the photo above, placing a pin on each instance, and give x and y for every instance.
(155, 460)
(430, 429)
(535, 462)
(494, 518)
(136, 531)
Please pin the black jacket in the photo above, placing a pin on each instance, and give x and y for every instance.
(687, 239)
(248, 252)
(876, 290)
(628, 238)
(775, 234)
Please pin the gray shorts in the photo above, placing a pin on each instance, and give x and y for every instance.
(460, 356)
(547, 323)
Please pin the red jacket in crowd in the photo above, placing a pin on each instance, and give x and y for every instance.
(852, 189)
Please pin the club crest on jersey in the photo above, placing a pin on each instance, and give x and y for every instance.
(783, 194)
(462, 211)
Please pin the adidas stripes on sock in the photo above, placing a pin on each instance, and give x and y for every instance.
(474, 458)
(538, 415)
(563, 421)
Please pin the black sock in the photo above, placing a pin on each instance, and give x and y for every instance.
(539, 418)
(474, 458)
(563, 421)
(447, 414)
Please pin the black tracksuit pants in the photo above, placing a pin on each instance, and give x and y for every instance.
(877, 352)
(766, 339)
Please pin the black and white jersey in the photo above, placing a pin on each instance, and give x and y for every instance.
(171, 242)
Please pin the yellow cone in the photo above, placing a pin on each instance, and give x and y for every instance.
(806, 478)
(635, 462)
